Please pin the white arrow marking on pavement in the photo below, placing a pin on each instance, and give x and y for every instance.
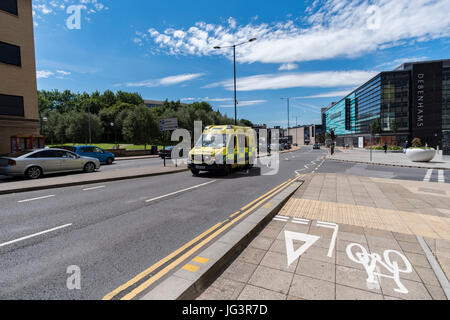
(290, 237)
(180, 191)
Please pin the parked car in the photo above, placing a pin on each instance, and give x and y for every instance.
(316, 146)
(92, 152)
(35, 164)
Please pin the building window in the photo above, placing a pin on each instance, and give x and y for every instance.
(10, 54)
(11, 105)
(9, 6)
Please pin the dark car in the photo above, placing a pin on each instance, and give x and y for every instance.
(316, 146)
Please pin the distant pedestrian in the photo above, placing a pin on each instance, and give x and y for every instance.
(385, 147)
(332, 148)
(405, 146)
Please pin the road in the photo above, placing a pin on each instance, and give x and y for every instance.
(113, 231)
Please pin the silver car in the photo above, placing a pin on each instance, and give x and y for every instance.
(35, 164)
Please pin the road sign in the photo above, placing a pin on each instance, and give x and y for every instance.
(168, 124)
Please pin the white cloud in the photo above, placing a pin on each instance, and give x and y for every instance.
(64, 73)
(167, 81)
(333, 28)
(398, 62)
(207, 99)
(288, 67)
(244, 103)
(332, 94)
(325, 79)
(42, 8)
(44, 74)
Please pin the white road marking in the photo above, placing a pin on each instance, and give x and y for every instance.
(308, 240)
(180, 191)
(300, 221)
(370, 261)
(441, 178)
(94, 188)
(40, 198)
(35, 235)
(279, 219)
(333, 226)
(428, 175)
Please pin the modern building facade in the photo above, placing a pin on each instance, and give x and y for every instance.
(305, 135)
(408, 102)
(19, 116)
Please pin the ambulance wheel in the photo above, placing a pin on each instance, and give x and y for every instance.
(226, 170)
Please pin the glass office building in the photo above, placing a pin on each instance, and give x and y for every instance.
(410, 101)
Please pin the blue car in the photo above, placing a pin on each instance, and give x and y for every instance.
(93, 152)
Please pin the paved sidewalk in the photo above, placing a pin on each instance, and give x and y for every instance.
(391, 158)
(136, 157)
(327, 237)
(86, 178)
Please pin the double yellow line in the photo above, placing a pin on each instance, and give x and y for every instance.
(210, 234)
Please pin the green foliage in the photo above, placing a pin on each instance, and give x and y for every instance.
(118, 108)
(78, 128)
(139, 126)
(375, 127)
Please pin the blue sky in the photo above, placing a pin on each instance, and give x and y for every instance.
(313, 51)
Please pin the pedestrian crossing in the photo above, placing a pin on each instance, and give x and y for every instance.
(434, 175)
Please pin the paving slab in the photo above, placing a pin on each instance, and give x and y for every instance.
(346, 251)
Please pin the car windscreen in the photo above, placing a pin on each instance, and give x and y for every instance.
(212, 140)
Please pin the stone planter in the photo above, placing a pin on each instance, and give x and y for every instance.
(420, 155)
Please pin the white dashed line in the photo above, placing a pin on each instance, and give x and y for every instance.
(34, 235)
(428, 175)
(40, 198)
(180, 191)
(94, 188)
(441, 178)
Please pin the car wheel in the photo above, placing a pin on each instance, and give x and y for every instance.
(89, 167)
(195, 172)
(109, 161)
(33, 173)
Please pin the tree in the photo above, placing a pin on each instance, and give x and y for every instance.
(139, 127)
(78, 129)
(375, 127)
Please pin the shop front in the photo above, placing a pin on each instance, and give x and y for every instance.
(25, 142)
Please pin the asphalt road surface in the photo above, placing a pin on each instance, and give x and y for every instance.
(113, 231)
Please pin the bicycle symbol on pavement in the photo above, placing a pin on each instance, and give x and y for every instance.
(369, 261)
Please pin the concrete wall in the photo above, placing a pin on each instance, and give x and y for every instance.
(298, 135)
(19, 81)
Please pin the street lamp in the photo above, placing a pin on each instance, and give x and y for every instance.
(115, 134)
(234, 63)
(287, 99)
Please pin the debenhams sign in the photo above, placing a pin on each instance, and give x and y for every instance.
(420, 98)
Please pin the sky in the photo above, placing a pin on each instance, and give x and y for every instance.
(314, 52)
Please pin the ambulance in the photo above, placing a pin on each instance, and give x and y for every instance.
(222, 148)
